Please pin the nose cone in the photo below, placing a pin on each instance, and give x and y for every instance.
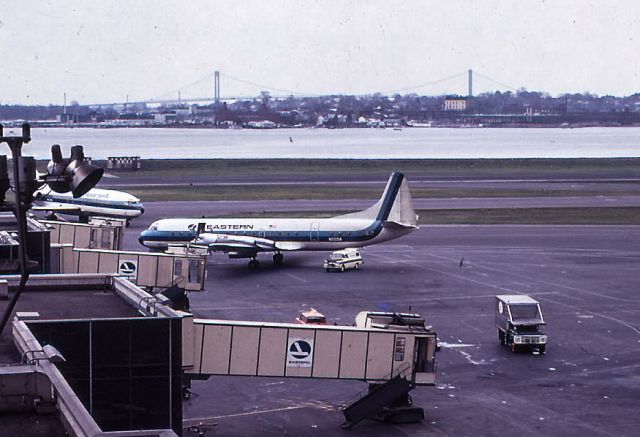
(143, 237)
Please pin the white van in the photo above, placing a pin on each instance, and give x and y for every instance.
(343, 259)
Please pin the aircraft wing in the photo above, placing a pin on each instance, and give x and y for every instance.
(235, 243)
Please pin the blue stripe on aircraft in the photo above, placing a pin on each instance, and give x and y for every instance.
(390, 198)
(80, 201)
(303, 236)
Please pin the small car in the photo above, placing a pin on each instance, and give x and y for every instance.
(344, 259)
(311, 317)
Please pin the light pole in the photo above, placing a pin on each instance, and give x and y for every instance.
(19, 209)
(63, 175)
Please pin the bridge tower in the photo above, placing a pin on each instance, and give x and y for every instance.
(216, 86)
(470, 83)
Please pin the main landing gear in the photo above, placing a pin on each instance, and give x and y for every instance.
(278, 258)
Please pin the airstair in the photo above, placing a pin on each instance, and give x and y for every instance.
(389, 401)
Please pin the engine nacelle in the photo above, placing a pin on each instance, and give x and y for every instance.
(234, 240)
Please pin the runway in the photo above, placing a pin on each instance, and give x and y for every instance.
(586, 278)
(580, 182)
(228, 207)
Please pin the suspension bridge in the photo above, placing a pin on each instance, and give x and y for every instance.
(193, 92)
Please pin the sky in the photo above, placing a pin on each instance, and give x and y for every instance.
(110, 51)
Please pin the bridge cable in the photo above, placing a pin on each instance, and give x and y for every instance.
(424, 84)
(495, 81)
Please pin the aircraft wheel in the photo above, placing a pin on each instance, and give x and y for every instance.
(278, 258)
(253, 264)
(357, 266)
(342, 268)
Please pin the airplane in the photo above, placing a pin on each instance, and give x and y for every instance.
(391, 217)
(96, 202)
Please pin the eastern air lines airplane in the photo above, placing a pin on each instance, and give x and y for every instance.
(96, 202)
(391, 217)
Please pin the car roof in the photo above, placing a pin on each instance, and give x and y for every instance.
(516, 299)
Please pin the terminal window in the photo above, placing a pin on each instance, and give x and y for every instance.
(126, 372)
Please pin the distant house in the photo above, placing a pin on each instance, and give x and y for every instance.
(455, 104)
(392, 122)
(123, 163)
(165, 117)
(262, 124)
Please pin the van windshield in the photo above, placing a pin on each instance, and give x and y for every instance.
(524, 312)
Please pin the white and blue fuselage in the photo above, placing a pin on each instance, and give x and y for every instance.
(96, 202)
(391, 217)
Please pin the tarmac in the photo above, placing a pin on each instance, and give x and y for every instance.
(586, 278)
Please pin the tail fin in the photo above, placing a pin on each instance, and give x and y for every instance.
(395, 205)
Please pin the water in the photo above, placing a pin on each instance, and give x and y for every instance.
(597, 142)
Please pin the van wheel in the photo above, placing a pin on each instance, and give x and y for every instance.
(342, 268)
(501, 338)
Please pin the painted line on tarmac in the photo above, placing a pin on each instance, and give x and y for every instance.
(554, 284)
(198, 420)
(603, 316)
(608, 369)
(297, 278)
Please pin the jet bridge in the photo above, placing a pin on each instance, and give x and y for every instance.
(219, 347)
(145, 269)
(99, 234)
(392, 359)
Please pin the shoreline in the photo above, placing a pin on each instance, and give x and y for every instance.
(50, 124)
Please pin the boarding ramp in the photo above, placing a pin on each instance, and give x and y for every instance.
(389, 401)
(145, 269)
(98, 234)
(217, 347)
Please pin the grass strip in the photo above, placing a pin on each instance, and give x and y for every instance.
(498, 216)
(341, 167)
(316, 192)
(533, 216)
